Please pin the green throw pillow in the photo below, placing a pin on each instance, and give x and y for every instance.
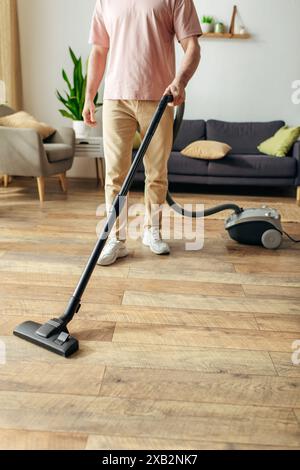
(280, 144)
(137, 141)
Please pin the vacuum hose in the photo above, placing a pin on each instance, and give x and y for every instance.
(173, 204)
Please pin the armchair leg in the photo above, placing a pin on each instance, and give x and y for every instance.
(63, 182)
(298, 194)
(41, 188)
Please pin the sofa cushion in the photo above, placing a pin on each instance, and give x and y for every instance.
(137, 141)
(190, 131)
(281, 143)
(58, 152)
(243, 137)
(207, 150)
(253, 166)
(23, 120)
(178, 165)
(6, 110)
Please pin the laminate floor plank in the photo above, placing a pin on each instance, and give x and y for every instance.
(242, 389)
(15, 439)
(150, 357)
(202, 302)
(254, 340)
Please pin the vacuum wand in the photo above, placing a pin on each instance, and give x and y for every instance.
(54, 334)
(115, 212)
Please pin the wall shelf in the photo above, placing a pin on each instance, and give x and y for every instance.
(231, 34)
(226, 36)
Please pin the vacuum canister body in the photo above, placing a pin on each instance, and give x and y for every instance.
(256, 227)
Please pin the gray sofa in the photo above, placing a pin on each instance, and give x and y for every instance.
(23, 153)
(245, 165)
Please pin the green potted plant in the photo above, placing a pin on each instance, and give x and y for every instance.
(75, 97)
(207, 24)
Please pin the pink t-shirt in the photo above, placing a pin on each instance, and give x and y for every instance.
(140, 35)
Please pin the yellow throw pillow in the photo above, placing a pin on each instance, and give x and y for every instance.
(280, 144)
(137, 141)
(23, 120)
(206, 150)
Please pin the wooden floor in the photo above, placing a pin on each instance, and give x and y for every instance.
(191, 351)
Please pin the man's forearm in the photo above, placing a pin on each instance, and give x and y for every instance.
(190, 63)
(96, 70)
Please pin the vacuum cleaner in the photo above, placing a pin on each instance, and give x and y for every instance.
(250, 226)
(259, 226)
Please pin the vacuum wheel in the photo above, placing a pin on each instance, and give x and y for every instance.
(271, 239)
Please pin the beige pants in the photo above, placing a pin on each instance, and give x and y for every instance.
(121, 119)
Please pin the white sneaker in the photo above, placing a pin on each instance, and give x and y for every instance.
(113, 250)
(152, 238)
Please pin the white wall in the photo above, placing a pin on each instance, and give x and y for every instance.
(237, 80)
(249, 80)
(47, 29)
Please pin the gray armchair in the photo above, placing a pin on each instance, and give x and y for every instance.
(23, 153)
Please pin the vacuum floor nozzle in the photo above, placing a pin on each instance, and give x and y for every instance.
(60, 343)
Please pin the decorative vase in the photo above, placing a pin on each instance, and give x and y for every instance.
(206, 27)
(81, 129)
(219, 28)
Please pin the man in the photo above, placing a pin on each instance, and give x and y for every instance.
(139, 37)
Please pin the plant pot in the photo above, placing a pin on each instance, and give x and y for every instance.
(207, 27)
(81, 129)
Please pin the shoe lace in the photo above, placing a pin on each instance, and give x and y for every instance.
(155, 234)
(111, 241)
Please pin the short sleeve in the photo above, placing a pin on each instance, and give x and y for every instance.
(186, 21)
(98, 32)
